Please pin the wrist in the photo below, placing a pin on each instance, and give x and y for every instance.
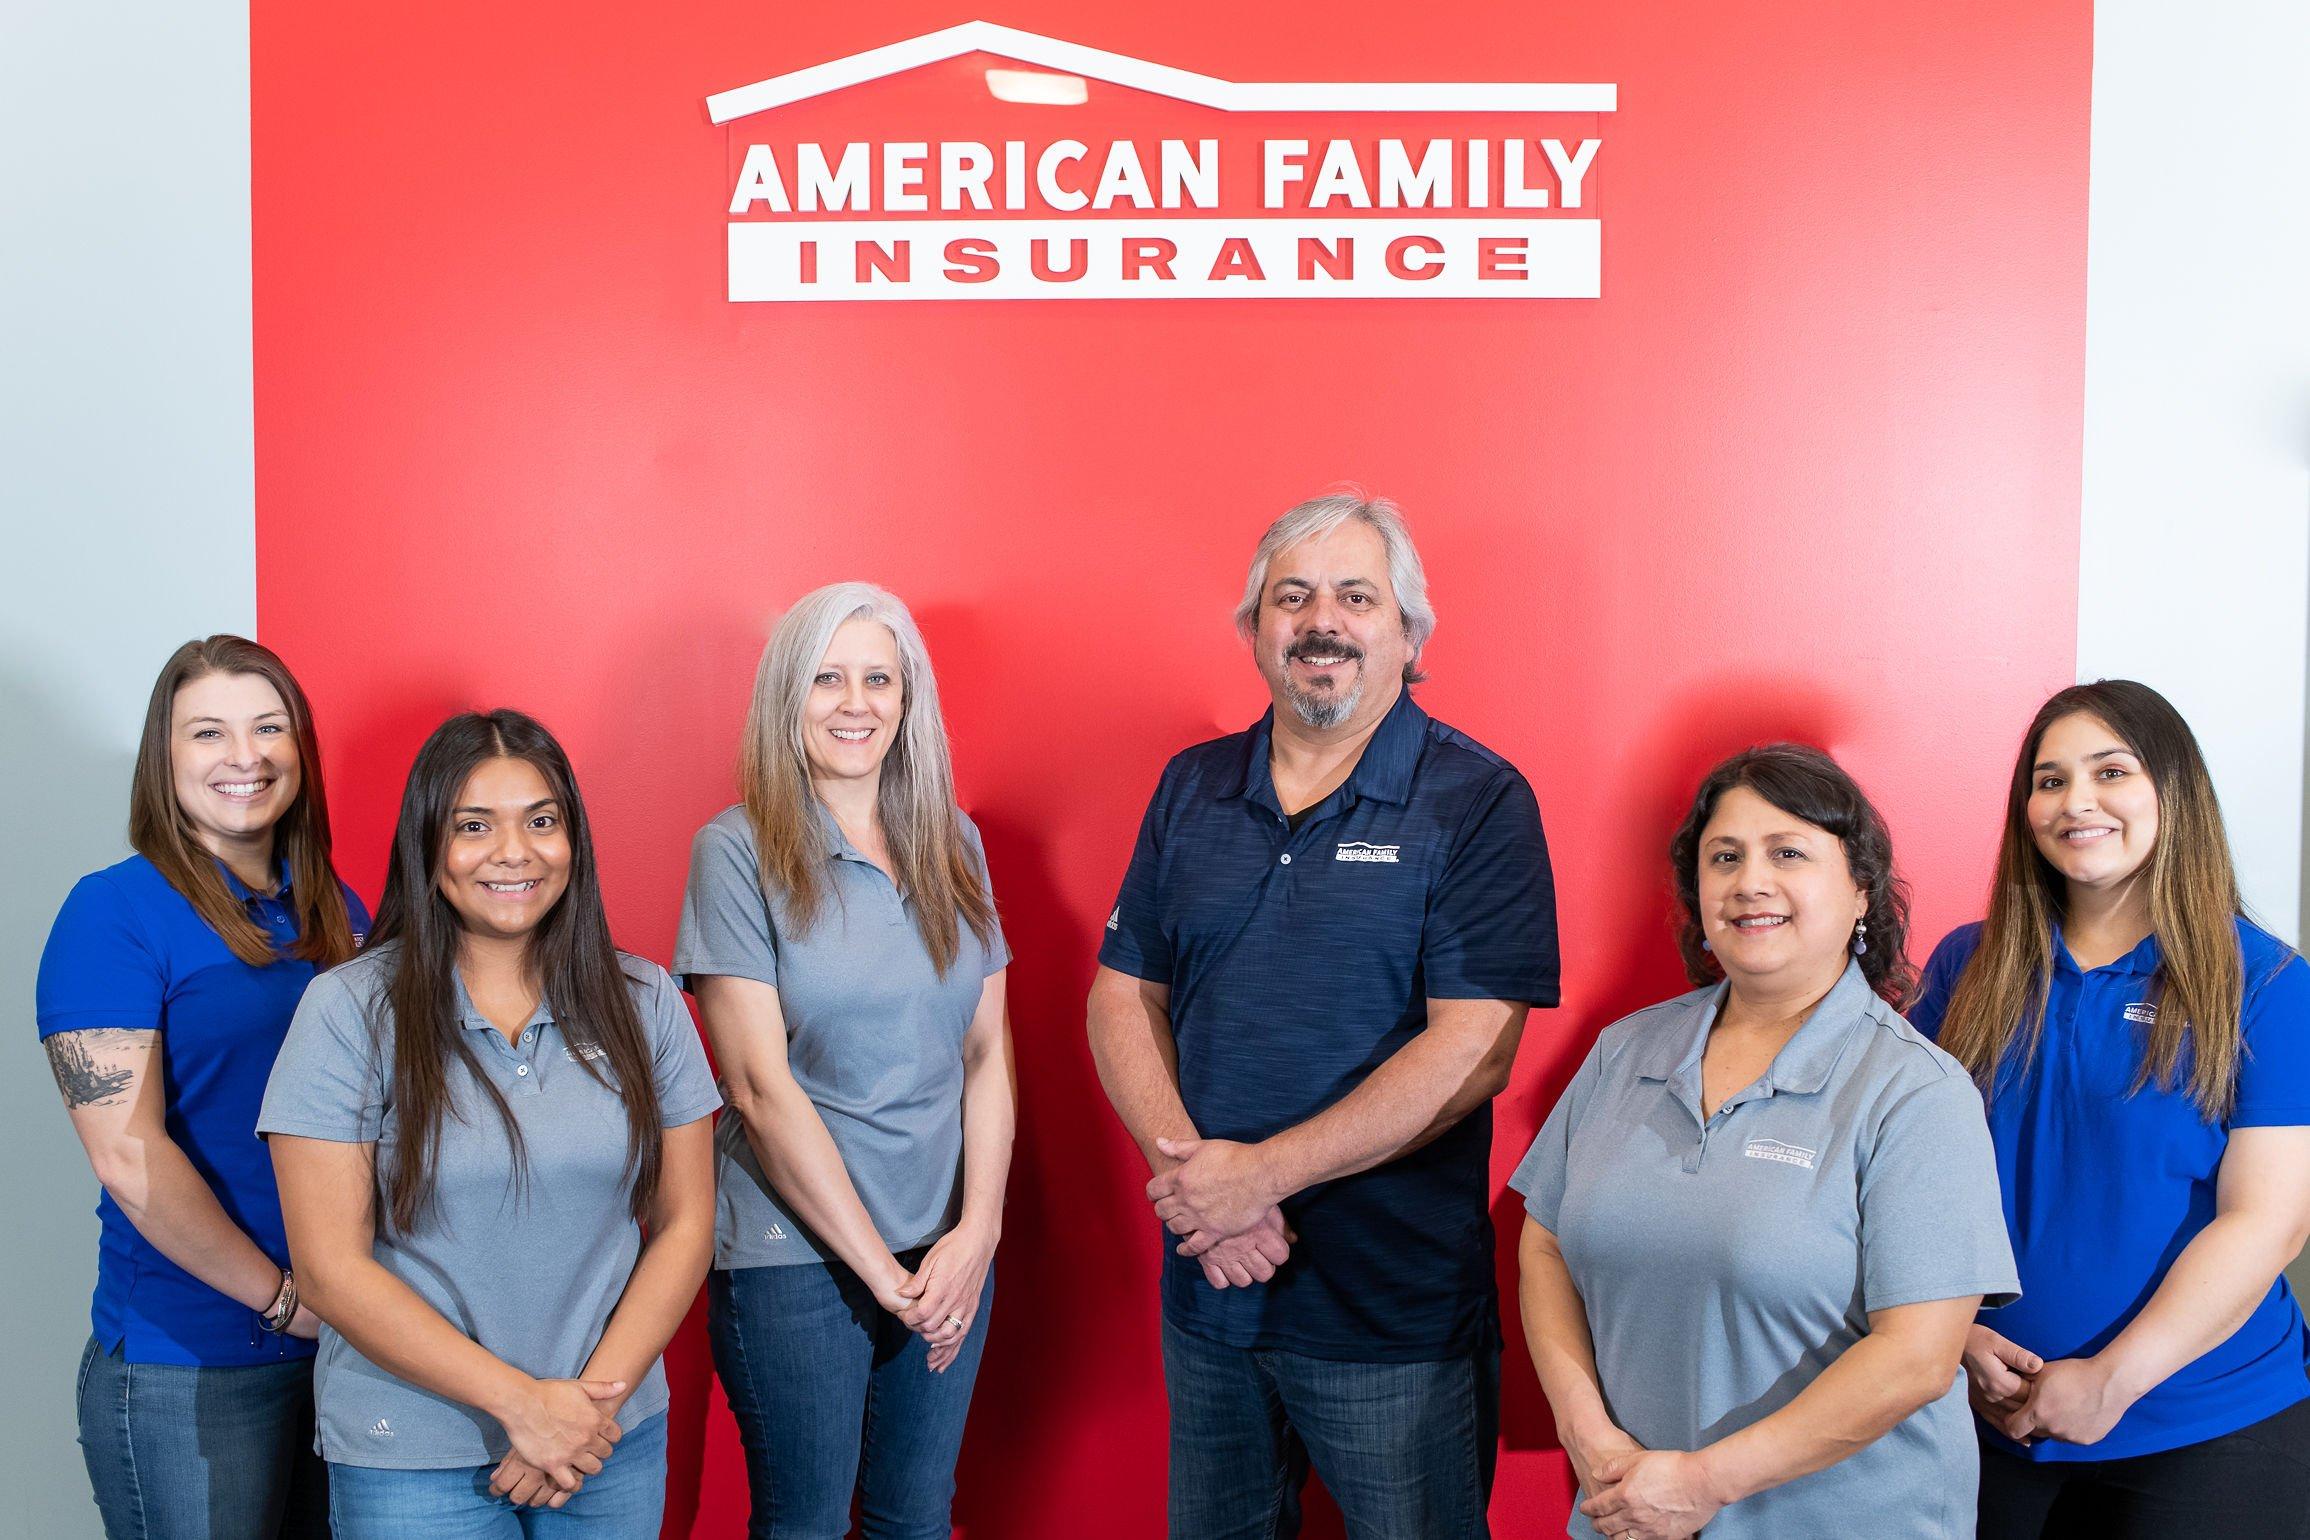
(887, 1275)
(1583, 1433)
(1271, 1169)
(513, 1398)
(1719, 1475)
(2119, 1375)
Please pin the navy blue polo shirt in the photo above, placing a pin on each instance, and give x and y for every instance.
(129, 952)
(2104, 1185)
(1299, 960)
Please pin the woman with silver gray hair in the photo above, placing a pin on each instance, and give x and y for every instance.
(839, 933)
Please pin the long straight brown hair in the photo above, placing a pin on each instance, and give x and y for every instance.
(570, 956)
(161, 832)
(915, 801)
(1998, 1007)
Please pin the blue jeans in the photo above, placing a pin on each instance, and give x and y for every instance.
(1406, 1449)
(182, 1453)
(624, 1500)
(833, 1397)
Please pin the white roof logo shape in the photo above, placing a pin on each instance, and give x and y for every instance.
(1159, 79)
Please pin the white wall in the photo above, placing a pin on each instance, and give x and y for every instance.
(2195, 572)
(126, 486)
(2195, 564)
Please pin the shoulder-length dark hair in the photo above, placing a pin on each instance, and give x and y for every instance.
(160, 831)
(1998, 1006)
(570, 957)
(1806, 784)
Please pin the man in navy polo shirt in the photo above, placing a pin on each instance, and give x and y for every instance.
(1311, 988)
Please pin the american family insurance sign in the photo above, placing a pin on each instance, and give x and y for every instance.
(1030, 168)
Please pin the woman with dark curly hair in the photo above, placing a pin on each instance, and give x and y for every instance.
(1763, 1214)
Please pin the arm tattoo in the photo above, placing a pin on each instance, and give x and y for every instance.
(88, 1064)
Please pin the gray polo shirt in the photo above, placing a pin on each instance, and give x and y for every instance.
(530, 1269)
(1724, 1264)
(874, 1037)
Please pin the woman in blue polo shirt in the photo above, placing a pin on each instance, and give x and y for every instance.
(2146, 1053)
(492, 1132)
(165, 990)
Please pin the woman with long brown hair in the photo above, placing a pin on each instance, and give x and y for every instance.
(473, 1123)
(840, 936)
(165, 991)
(2145, 1051)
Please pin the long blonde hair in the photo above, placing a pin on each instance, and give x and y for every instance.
(1998, 1007)
(929, 856)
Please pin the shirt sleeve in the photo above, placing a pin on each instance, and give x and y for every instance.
(357, 914)
(1940, 981)
(685, 1085)
(1135, 942)
(1491, 926)
(1932, 1223)
(726, 926)
(998, 945)
(1540, 1174)
(99, 969)
(2274, 1070)
(329, 1080)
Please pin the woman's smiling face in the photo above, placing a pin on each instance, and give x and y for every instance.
(1778, 902)
(2092, 809)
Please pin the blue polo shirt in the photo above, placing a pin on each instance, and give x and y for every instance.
(128, 951)
(2103, 1189)
(1300, 960)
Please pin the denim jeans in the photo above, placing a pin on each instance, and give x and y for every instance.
(624, 1500)
(833, 1397)
(182, 1453)
(1405, 1449)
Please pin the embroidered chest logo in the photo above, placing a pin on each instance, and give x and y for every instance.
(577, 1051)
(2144, 1012)
(1363, 850)
(1786, 1154)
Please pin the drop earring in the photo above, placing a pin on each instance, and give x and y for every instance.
(1860, 938)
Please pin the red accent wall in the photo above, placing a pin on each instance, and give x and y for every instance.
(1808, 469)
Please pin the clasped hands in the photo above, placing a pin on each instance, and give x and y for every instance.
(1630, 1492)
(2075, 1400)
(939, 1300)
(563, 1432)
(1220, 1199)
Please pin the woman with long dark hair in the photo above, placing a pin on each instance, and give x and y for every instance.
(495, 1157)
(840, 935)
(1762, 1215)
(2145, 1049)
(165, 991)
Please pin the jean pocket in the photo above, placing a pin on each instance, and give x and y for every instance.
(87, 1367)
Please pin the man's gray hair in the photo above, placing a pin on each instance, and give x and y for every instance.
(1320, 516)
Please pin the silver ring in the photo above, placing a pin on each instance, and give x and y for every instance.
(955, 1321)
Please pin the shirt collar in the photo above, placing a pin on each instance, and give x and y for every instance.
(838, 846)
(242, 891)
(1805, 1060)
(1382, 774)
(2143, 959)
(469, 1015)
